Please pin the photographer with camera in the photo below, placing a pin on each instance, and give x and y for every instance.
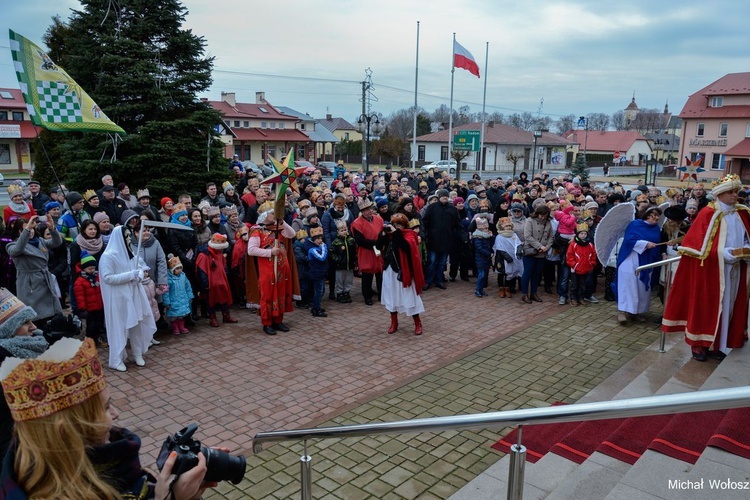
(20, 338)
(66, 445)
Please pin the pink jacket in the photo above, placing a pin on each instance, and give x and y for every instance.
(567, 220)
(151, 292)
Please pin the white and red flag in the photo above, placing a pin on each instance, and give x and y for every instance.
(463, 59)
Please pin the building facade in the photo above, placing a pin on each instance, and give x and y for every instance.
(16, 133)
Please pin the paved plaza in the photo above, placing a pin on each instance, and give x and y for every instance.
(476, 355)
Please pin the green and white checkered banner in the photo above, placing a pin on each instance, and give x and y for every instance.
(56, 106)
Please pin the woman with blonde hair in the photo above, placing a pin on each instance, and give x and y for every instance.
(66, 446)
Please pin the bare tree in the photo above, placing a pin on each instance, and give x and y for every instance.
(618, 120)
(598, 121)
(441, 114)
(565, 123)
(497, 117)
(400, 123)
(647, 120)
(514, 120)
(513, 156)
(527, 121)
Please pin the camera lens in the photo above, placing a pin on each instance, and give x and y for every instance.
(221, 466)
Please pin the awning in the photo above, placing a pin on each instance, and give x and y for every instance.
(741, 149)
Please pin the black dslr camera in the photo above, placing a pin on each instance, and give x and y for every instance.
(221, 465)
(61, 327)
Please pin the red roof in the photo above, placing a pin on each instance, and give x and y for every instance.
(243, 110)
(270, 135)
(501, 134)
(742, 148)
(609, 141)
(27, 128)
(16, 103)
(697, 105)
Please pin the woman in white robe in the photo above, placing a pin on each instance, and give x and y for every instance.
(127, 311)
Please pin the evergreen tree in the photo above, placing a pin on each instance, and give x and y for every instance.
(144, 70)
(579, 168)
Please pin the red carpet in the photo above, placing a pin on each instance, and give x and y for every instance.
(687, 434)
(538, 439)
(733, 433)
(628, 442)
(583, 440)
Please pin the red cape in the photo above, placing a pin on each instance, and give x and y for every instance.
(414, 258)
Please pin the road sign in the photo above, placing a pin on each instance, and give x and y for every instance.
(617, 154)
(466, 140)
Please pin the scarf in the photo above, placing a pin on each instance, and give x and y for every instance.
(233, 228)
(119, 464)
(506, 233)
(26, 347)
(92, 246)
(481, 234)
(91, 278)
(105, 238)
(410, 261)
(176, 218)
(19, 208)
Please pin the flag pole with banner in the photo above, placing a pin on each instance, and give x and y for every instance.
(53, 99)
(416, 87)
(482, 163)
(460, 58)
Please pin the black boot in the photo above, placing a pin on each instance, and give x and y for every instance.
(318, 313)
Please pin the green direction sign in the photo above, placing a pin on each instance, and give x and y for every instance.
(466, 140)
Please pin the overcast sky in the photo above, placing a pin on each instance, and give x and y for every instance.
(580, 56)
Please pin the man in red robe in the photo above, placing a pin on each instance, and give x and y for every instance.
(275, 278)
(709, 299)
(366, 229)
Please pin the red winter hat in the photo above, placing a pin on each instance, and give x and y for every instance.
(166, 200)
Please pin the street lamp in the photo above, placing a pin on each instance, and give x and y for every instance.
(364, 126)
(537, 135)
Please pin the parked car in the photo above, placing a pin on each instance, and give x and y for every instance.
(308, 166)
(268, 169)
(250, 166)
(442, 165)
(327, 167)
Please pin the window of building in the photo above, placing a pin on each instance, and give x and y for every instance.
(717, 162)
(700, 129)
(228, 123)
(443, 152)
(723, 129)
(270, 151)
(237, 123)
(3, 115)
(281, 125)
(247, 152)
(237, 149)
(262, 109)
(420, 153)
(18, 116)
(263, 124)
(273, 124)
(717, 102)
(346, 136)
(302, 126)
(747, 130)
(246, 124)
(4, 154)
(6, 95)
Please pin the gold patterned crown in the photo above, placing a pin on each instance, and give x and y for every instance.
(301, 234)
(414, 223)
(265, 207)
(14, 189)
(87, 195)
(730, 182)
(143, 193)
(316, 231)
(582, 227)
(68, 374)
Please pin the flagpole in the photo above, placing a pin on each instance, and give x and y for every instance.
(450, 119)
(414, 127)
(484, 116)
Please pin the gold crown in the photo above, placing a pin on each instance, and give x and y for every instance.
(301, 234)
(414, 223)
(143, 193)
(37, 388)
(316, 231)
(14, 189)
(582, 227)
(265, 207)
(726, 178)
(90, 194)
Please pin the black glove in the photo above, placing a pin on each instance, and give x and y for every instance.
(505, 256)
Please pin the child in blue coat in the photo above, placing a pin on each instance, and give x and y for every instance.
(482, 239)
(179, 296)
(317, 255)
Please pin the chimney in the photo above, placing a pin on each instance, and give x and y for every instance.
(329, 117)
(229, 98)
(260, 98)
(491, 124)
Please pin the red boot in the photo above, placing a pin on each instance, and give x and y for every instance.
(226, 317)
(181, 325)
(394, 322)
(417, 325)
(212, 320)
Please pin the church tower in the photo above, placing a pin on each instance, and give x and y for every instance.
(631, 112)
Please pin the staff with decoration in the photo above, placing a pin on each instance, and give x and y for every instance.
(709, 303)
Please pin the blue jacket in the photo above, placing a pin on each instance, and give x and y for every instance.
(318, 257)
(178, 297)
(482, 251)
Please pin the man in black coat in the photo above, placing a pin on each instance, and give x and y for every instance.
(440, 221)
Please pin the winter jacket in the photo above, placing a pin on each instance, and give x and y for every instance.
(329, 222)
(151, 293)
(581, 258)
(567, 220)
(183, 244)
(317, 255)
(343, 253)
(537, 234)
(153, 255)
(440, 223)
(482, 248)
(177, 299)
(88, 293)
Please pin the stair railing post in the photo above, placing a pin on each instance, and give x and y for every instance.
(306, 474)
(667, 289)
(517, 468)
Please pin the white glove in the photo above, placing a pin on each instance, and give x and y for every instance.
(728, 257)
(137, 275)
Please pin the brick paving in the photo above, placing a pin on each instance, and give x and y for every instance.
(476, 355)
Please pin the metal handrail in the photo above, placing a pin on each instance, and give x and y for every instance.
(667, 288)
(623, 408)
(718, 399)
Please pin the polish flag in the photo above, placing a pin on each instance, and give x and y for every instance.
(462, 58)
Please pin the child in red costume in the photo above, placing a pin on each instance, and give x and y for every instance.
(211, 267)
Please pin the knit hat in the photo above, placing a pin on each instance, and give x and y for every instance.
(516, 206)
(73, 197)
(442, 192)
(482, 223)
(218, 241)
(691, 203)
(380, 201)
(203, 205)
(166, 200)
(50, 205)
(13, 313)
(313, 212)
(226, 186)
(100, 216)
(592, 205)
(88, 260)
(90, 194)
(316, 232)
(726, 184)
(479, 188)
(66, 375)
(14, 189)
(143, 193)
(537, 202)
(173, 262)
(458, 200)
